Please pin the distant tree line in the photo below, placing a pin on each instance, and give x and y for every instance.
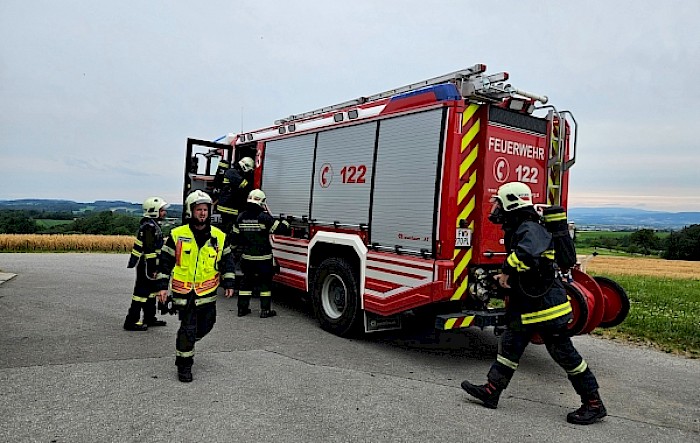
(105, 223)
(678, 245)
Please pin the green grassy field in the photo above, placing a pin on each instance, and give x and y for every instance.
(47, 223)
(586, 236)
(664, 313)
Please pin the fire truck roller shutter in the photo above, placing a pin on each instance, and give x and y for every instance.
(287, 174)
(404, 188)
(343, 166)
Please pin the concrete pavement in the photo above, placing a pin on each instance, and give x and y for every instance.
(70, 373)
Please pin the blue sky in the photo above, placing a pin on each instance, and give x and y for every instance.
(97, 99)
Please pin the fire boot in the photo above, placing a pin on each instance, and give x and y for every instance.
(487, 393)
(265, 313)
(135, 326)
(242, 312)
(156, 322)
(184, 373)
(591, 410)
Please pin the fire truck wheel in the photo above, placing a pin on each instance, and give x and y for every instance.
(335, 298)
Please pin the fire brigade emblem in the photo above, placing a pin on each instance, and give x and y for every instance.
(501, 170)
(326, 175)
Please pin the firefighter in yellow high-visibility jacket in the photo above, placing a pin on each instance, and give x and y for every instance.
(198, 260)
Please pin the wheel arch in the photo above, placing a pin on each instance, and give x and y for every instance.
(349, 247)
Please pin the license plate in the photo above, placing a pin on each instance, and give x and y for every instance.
(463, 239)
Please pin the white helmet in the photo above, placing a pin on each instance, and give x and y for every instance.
(514, 195)
(152, 207)
(257, 196)
(195, 198)
(247, 164)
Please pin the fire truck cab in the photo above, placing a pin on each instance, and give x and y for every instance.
(389, 196)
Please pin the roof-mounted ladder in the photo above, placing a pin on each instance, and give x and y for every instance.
(470, 82)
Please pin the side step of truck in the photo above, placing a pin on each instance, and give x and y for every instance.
(467, 318)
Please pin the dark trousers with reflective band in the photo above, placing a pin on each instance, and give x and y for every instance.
(195, 323)
(561, 349)
(257, 278)
(145, 303)
(143, 299)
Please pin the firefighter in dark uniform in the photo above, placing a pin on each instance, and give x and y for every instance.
(251, 236)
(236, 185)
(536, 303)
(197, 258)
(218, 182)
(144, 257)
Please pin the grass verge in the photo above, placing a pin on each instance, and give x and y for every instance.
(664, 314)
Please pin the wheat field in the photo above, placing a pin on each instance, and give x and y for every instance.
(65, 243)
(652, 267)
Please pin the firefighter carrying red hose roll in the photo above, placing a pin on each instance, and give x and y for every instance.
(537, 304)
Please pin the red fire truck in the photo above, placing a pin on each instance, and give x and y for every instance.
(388, 196)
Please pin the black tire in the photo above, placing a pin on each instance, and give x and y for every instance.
(610, 287)
(335, 298)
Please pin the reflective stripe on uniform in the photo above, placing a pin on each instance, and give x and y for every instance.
(227, 210)
(549, 253)
(515, 262)
(204, 300)
(245, 293)
(137, 249)
(140, 299)
(198, 301)
(505, 362)
(168, 250)
(184, 353)
(179, 301)
(251, 226)
(557, 216)
(256, 257)
(276, 225)
(546, 314)
(578, 369)
(183, 287)
(265, 293)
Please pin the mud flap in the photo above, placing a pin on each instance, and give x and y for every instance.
(376, 323)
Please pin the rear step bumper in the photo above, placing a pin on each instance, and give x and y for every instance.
(467, 318)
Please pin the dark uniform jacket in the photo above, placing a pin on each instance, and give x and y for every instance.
(218, 182)
(145, 254)
(251, 233)
(537, 297)
(234, 192)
